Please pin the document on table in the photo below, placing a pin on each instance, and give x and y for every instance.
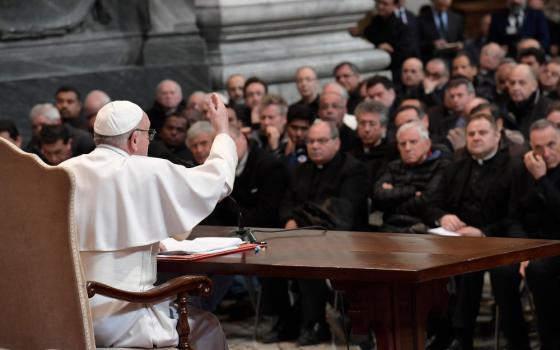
(440, 231)
(201, 245)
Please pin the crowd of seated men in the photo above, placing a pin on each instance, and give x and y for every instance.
(465, 136)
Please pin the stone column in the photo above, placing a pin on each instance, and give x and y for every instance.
(272, 38)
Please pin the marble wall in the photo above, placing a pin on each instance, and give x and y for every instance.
(125, 47)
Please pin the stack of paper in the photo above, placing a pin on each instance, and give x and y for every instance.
(201, 245)
(440, 231)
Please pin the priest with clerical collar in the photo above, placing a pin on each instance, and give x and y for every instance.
(125, 203)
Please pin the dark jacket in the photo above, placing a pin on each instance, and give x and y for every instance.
(479, 194)
(258, 191)
(520, 116)
(429, 32)
(535, 210)
(332, 195)
(392, 31)
(157, 114)
(180, 155)
(534, 26)
(401, 206)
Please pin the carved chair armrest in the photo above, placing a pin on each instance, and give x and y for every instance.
(196, 285)
(180, 286)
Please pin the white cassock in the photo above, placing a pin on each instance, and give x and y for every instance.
(125, 205)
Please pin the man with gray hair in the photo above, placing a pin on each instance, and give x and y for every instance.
(410, 182)
(272, 136)
(47, 114)
(125, 204)
(199, 140)
(373, 149)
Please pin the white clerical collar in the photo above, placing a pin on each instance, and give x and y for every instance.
(481, 161)
(114, 149)
(241, 164)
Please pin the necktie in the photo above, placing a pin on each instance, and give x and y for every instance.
(442, 26)
(402, 14)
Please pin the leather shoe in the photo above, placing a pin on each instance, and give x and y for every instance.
(315, 335)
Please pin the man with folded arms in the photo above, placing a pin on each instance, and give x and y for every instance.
(125, 203)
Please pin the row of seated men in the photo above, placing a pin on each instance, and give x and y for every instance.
(323, 169)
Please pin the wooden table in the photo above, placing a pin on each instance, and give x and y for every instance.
(392, 280)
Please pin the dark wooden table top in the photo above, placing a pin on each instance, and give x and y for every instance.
(366, 256)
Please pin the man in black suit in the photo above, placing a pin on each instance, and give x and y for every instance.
(329, 191)
(388, 33)
(171, 144)
(535, 214)
(475, 193)
(510, 25)
(526, 103)
(439, 27)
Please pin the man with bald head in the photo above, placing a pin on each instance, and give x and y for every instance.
(234, 87)
(526, 103)
(125, 204)
(308, 88)
(169, 100)
(412, 74)
(332, 108)
(92, 104)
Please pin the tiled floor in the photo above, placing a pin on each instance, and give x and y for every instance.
(240, 334)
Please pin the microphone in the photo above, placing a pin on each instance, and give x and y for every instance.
(244, 233)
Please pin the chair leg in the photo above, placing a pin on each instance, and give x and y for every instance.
(257, 314)
(183, 323)
(497, 328)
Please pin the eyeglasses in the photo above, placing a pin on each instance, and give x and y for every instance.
(151, 133)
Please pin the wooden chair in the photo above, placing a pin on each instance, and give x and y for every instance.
(43, 295)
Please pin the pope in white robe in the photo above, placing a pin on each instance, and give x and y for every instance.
(125, 203)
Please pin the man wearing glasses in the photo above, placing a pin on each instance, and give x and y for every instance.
(330, 192)
(125, 203)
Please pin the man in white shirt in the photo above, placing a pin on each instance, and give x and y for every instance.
(125, 203)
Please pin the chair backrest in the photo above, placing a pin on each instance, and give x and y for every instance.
(43, 300)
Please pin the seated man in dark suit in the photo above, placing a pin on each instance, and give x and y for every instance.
(525, 104)
(373, 149)
(516, 22)
(332, 108)
(171, 143)
(410, 182)
(440, 29)
(536, 214)
(474, 197)
(329, 191)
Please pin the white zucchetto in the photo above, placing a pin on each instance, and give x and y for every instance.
(117, 118)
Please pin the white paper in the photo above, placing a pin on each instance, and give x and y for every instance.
(202, 245)
(440, 231)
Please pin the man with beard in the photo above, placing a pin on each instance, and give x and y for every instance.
(69, 105)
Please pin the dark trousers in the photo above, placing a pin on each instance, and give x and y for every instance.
(469, 291)
(309, 307)
(505, 286)
(314, 295)
(542, 276)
